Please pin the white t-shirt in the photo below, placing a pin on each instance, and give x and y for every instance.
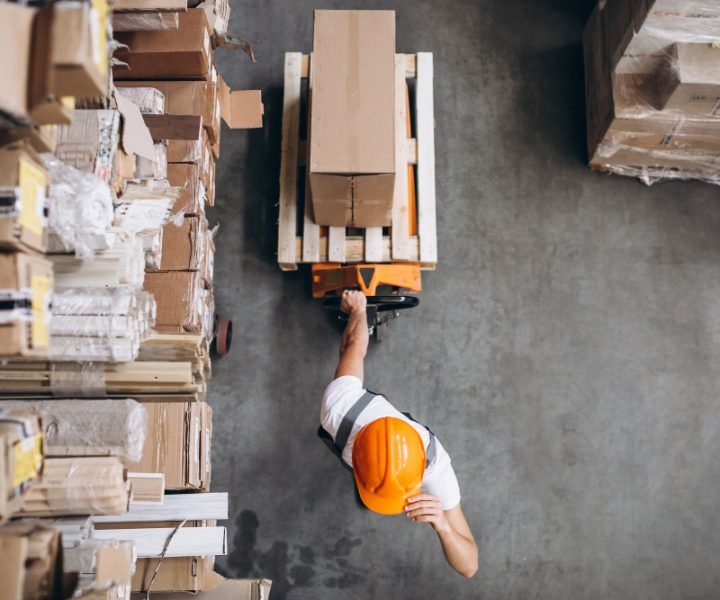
(439, 479)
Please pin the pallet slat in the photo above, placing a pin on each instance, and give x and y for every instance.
(311, 231)
(400, 216)
(289, 160)
(425, 119)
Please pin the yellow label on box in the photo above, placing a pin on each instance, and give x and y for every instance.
(32, 195)
(40, 290)
(28, 459)
(98, 27)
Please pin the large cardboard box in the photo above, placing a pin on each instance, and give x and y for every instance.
(31, 565)
(690, 81)
(352, 118)
(178, 443)
(219, 588)
(16, 25)
(184, 247)
(180, 301)
(176, 574)
(27, 288)
(80, 59)
(193, 192)
(185, 53)
(21, 456)
(23, 195)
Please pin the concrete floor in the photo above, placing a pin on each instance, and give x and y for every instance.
(566, 351)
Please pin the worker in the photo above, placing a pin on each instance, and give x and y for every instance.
(399, 466)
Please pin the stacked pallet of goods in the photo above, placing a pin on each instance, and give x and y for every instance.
(109, 133)
(653, 88)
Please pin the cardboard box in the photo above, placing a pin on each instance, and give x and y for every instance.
(16, 25)
(178, 444)
(198, 152)
(689, 83)
(176, 574)
(352, 118)
(179, 299)
(41, 139)
(23, 196)
(193, 196)
(32, 562)
(80, 59)
(184, 247)
(27, 289)
(185, 53)
(21, 456)
(219, 588)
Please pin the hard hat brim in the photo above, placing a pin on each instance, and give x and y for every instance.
(383, 505)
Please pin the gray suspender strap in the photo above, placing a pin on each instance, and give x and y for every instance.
(431, 451)
(343, 432)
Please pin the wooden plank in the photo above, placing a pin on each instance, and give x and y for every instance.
(175, 507)
(147, 487)
(373, 244)
(336, 244)
(187, 541)
(410, 65)
(400, 223)
(287, 227)
(412, 151)
(311, 231)
(150, 5)
(425, 119)
(174, 127)
(355, 249)
(305, 66)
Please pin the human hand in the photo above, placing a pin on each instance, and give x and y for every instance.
(425, 508)
(353, 301)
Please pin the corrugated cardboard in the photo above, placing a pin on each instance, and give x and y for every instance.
(179, 299)
(16, 23)
(79, 49)
(198, 152)
(198, 98)
(36, 549)
(177, 574)
(690, 80)
(23, 193)
(352, 114)
(187, 177)
(183, 247)
(240, 109)
(185, 53)
(114, 564)
(27, 287)
(175, 443)
(219, 588)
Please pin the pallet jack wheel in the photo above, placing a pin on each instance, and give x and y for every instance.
(223, 335)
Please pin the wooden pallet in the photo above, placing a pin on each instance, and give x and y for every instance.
(301, 241)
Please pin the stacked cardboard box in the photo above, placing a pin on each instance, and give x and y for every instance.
(653, 88)
(108, 227)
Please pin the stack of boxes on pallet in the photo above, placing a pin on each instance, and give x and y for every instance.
(106, 315)
(653, 88)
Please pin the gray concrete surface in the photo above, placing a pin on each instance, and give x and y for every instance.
(566, 349)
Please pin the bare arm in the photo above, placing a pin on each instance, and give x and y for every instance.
(452, 529)
(354, 342)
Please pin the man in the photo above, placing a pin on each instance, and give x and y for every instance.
(398, 464)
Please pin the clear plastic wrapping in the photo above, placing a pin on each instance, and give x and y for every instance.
(146, 21)
(79, 486)
(84, 379)
(80, 210)
(91, 427)
(153, 169)
(100, 324)
(149, 100)
(653, 87)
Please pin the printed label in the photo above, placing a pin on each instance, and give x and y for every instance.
(28, 459)
(32, 192)
(40, 293)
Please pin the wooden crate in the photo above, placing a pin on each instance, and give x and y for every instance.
(301, 240)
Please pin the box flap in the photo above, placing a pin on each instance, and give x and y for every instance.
(113, 564)
(136, 138)
(240, 109)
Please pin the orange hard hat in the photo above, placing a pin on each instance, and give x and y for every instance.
(388, 463)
